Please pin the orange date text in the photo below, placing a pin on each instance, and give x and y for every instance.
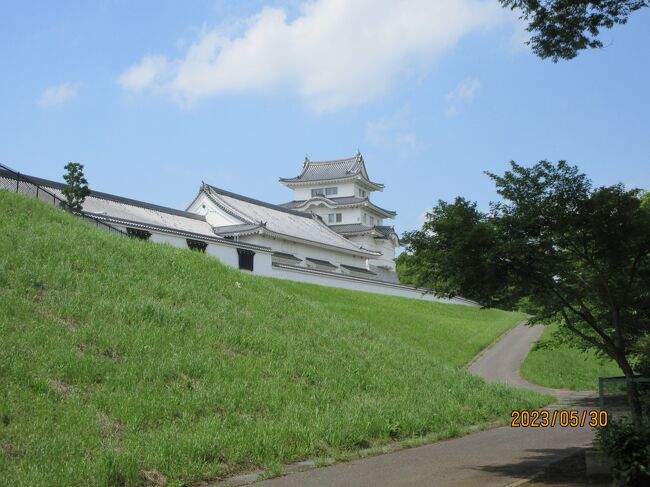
(565, 418)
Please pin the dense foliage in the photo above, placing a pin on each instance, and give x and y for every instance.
(567, 252)
(562, 28)
(629, 448)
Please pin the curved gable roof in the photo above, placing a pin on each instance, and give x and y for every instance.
(339, 202)
(282, 221)
(313, 171)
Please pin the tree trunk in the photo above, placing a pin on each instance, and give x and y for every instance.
(635, 403)
(632, 392)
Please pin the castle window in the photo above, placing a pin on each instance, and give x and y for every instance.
(372, 220)
(246, 259)
(330, 191)
(362, 193)
(334, 217)
(138, 233)
(197, 245)
(317, 192)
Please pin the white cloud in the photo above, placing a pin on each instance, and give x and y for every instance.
(463, 93)
(59, 94)
(334, 53)
(395, 130)
(144, 74)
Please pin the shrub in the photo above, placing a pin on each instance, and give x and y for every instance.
(629, 449)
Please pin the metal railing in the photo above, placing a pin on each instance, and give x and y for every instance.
(613, 394)
(15, 182)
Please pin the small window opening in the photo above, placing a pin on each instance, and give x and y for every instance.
(246, 259)
(197, 245)
(138, 233)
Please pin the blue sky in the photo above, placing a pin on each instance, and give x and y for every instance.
(153, 97)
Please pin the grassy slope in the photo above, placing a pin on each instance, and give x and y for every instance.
(121, 356)
(564, 367)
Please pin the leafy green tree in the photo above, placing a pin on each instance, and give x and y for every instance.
(562, 28)
(573, 254)
(76, 189)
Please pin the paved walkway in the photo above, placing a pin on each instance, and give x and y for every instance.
(497, 457)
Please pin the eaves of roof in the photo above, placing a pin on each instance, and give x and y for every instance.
(258, 202)
(286, 256)
(334, 170)
(387, 231)
(357, 251)
(360, 270)
(320, 262)
(163, 229)
(295, 182)
(264, 230)
(343, 202)
(355, 229)
(237, 230)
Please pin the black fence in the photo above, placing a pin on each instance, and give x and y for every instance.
(15, 182)
(613, 395)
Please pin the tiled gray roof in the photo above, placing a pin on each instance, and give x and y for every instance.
(339, 201)
(282, 221)
(351, 228)
(284, 255)
(138, 214)
(360, 270)
(232, 230)
(108, 205)
(343, 200)
(358, 228)
(329, 170)
(386, 231)
(323, 263)
(385, 275)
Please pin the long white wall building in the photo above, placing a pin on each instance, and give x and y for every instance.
(308, 239)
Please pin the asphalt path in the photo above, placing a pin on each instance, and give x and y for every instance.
(496, 457)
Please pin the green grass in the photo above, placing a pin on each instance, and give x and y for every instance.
(121, 357)
(564, 367)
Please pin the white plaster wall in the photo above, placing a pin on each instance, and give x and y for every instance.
(263, 266)
(215, 216)
(225, 254)
(344, 189)
(388, 251)
(303, 250)
(346, 282)
(387, 258)
(348, 215)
